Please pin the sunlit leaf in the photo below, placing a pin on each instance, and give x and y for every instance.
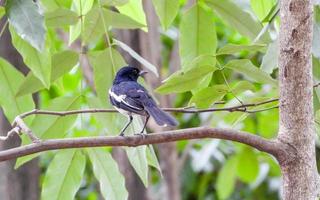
(167, 10)
(38, 62)
(2, 11)
(207, 96)
(248, 165)
(242, 86)
(152, 158)
(74, 32)
(136, 56)
(25, 17)
(246, 68)
(137, 156)
(236, 48)
(105, 169)
(270, 59)
(62, 63)
(134, 10)
(184, 81)
(61, 17)
(10, 79)
(227, 178)
(316, 32)
(81, 7)
(237, 18)
(29, 85)
(138, 159)
(262, 7)
(98, 20)
(202, 40)
(114, 2)
(104, 67)
(64, 175)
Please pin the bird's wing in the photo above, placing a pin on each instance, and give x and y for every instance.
(127, 96)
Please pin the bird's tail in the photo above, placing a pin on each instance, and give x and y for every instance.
(162, 118)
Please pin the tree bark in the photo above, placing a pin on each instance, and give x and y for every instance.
(299, 171)
(22, 183)
(150, 47)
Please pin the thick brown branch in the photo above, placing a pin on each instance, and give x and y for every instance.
(162, 137)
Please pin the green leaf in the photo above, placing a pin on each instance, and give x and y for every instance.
(104, 70)
(248, 165)
(61, 17)
(136, 56)
(74, 32)
(81, 7)
(262, 7)
(25, 17)
(138, 159)
(316, 40)
(64, 175)
(137, 156)
(48, 127)
(114, 2)
(202, 40)
(167, 10)
(2, 11)
(246, 68)
(134, 10)
(237, 18)
(29, 85)
(105, 169)
(227, 178)
(152, 158)
(185, 81)
(62, 63)
(206, 97)
(242, 86)
(270, 59)
(38, 62)
(98, 18)
(10, 79)
(113, 119)
(236, 48)
(272, 13)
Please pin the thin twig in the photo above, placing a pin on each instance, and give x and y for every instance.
(239, 108)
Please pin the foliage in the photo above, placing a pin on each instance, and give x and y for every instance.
(228, 53)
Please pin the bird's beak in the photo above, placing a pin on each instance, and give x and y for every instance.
(142, 73)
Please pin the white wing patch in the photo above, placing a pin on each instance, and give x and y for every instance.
(121, 98)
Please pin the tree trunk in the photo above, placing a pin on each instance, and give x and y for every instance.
(22, 183)
(300, 177)
(150, 47)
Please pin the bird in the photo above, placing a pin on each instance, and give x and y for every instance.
(130, 98)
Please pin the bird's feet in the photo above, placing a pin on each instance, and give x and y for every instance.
(143, 135)
(121, 134)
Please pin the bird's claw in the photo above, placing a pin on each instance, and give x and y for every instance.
(121, 134)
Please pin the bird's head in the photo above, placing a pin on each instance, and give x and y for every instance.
(128, 74)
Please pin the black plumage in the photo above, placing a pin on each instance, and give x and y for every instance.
(129, 98)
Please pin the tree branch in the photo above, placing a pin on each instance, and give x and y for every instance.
(239, 108)
(255, 141)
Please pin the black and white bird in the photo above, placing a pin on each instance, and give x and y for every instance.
(129, 98)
